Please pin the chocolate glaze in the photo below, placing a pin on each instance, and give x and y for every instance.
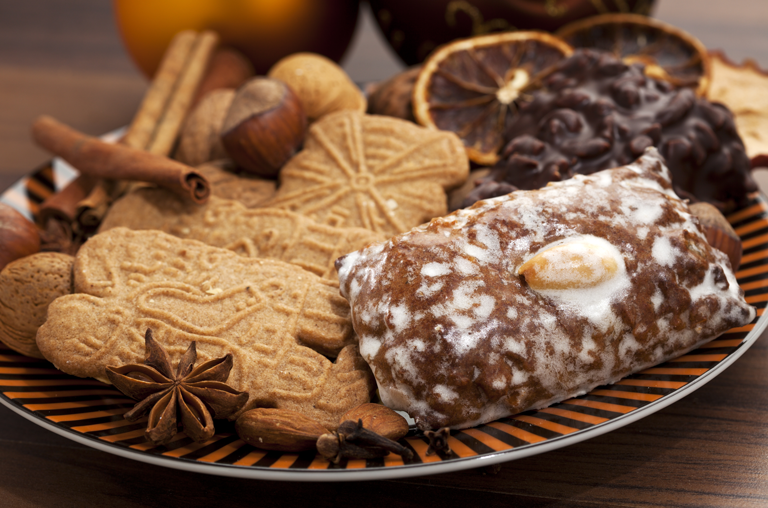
(594, 112)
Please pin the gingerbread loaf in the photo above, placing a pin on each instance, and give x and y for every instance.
(538, 296)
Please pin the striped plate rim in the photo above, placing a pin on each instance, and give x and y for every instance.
(90, 412)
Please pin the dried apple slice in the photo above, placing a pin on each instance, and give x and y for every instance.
(470, 86)
(742, 88)
(669, 53)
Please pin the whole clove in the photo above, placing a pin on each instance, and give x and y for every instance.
(352, 441)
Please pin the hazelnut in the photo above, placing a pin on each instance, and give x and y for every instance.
(264, 126)
(393, 97)
(18, 236)
(200, 140)
(718, 231)
(278, 429)
(322, 86)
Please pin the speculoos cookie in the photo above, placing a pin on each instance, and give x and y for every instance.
(375, 172)
(279, 321)
(256, 232)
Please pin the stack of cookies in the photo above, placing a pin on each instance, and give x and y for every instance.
(250, 272)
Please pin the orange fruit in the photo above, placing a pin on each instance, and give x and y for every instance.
(471, 86)
(669, 53)
(263, 30)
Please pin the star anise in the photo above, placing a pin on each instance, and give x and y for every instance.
(191, 398)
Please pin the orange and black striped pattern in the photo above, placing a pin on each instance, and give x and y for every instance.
(93, 410)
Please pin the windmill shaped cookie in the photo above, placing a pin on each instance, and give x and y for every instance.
(375, 172)
(276, 319)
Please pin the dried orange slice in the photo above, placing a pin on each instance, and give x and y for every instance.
(742, 88)
(470, 86)
(669, 53)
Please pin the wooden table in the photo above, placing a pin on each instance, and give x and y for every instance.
(710, 449)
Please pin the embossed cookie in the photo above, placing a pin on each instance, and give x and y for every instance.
(248, 189)
(276, 319)
(375, 172)
(258, 232)
(27, 286)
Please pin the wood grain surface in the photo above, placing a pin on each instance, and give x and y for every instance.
(64, 58)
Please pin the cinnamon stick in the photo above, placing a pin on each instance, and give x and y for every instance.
(95, 205)
(144, 124)
(62, 206)
(180, 101)
(158, 120)
(96, 158)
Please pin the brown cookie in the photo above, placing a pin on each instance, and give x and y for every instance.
(375, 172)
(258, 232)
(27, 287)
(276, 319)
(227, 183)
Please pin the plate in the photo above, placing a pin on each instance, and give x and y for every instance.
(90, 412)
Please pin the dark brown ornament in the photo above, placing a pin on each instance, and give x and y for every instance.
(414, 29)
(191, 398)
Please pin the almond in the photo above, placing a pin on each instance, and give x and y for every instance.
(278, 429)
(572, 265)
(379, 419)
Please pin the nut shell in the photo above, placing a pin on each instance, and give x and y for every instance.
(27, 286)
(200, 141)
(278, 429)
(393, 97)
(380, 419)
(264, 126)
(719, 232)
(322, 86)
(18, 236)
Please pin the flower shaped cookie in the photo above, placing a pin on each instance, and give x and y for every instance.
(375, 172)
